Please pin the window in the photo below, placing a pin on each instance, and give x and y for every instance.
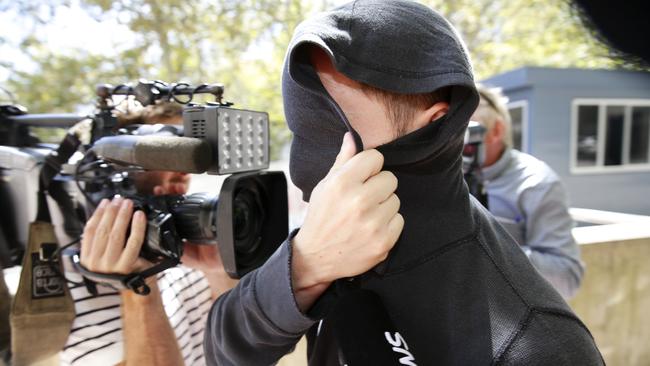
(587, 135)
(518, 116)
(640, 135)
(610, 135)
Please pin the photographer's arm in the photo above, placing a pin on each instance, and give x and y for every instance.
(206, 258)
(549, 242)
(351, 226)
(149, 338)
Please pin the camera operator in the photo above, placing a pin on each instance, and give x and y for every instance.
(528, 199)
(428, 278)
(166, 326)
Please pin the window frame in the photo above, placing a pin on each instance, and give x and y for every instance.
(523, 104)
(602, 104)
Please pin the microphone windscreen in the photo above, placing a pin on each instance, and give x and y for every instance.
(172, 153)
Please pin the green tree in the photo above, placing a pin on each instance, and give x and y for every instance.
(506, 34)
(203, 41)
(242, 45)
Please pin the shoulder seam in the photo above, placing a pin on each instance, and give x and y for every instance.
(498, 358)
(498, 268)
(432, 255)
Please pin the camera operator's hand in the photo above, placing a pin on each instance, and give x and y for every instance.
(352, 223)
(105, 247)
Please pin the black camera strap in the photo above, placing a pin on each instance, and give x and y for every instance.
(133, 281)
(52, 167)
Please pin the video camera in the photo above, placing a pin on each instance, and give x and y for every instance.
(22, 157)
(248, 219)
(473, 159)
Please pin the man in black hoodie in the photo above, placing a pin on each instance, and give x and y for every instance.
(393, 81)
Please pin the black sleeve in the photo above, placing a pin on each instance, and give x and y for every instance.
(258, 321)
(552, 339)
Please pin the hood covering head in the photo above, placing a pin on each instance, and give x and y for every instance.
(397, 46)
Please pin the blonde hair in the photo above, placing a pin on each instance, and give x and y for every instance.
(493, 108)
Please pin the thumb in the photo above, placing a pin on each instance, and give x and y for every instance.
(348, 150)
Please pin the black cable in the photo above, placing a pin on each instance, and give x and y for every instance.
(170, 91)
(161, 87)
(174, 96)
(76, 180)
(129, 92)
(53, 259)
(129, 89)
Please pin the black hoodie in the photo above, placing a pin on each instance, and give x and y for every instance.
(456, 289)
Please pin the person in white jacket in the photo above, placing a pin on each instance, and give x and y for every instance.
(528, 199)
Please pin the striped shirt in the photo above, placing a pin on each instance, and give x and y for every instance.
(96, 337)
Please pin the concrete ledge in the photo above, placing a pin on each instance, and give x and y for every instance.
(614, 300)
(605, 217)
(611, 233)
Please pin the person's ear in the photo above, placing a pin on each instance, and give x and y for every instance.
(431, 114)
(497, 131)
(436, 111)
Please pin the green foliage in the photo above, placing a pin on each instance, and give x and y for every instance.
(66, 82)
(505, 34)
(242, 45)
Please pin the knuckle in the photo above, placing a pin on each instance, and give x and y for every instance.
(399, 222)
(336, 184)
(135, 239)
(105, 264)
(390, 243)
(396, 201)
(101, 233)
(392, 179)
(122, 268)
(91, 264)
(373, 228)
(380, 254)
(342, 180)
(91, 226)
(113, 237)
(384, 256)
(358, 205)
(376, 156)
(88, 233)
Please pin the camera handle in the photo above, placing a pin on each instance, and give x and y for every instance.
(132, 281)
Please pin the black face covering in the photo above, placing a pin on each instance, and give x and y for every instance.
(419, 53)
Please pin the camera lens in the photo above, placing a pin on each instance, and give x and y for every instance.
(195, 216)
(248, 218)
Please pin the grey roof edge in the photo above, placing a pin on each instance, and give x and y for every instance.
(527, 76)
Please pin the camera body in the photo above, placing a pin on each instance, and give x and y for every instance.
(22, 157)
(248, 218)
